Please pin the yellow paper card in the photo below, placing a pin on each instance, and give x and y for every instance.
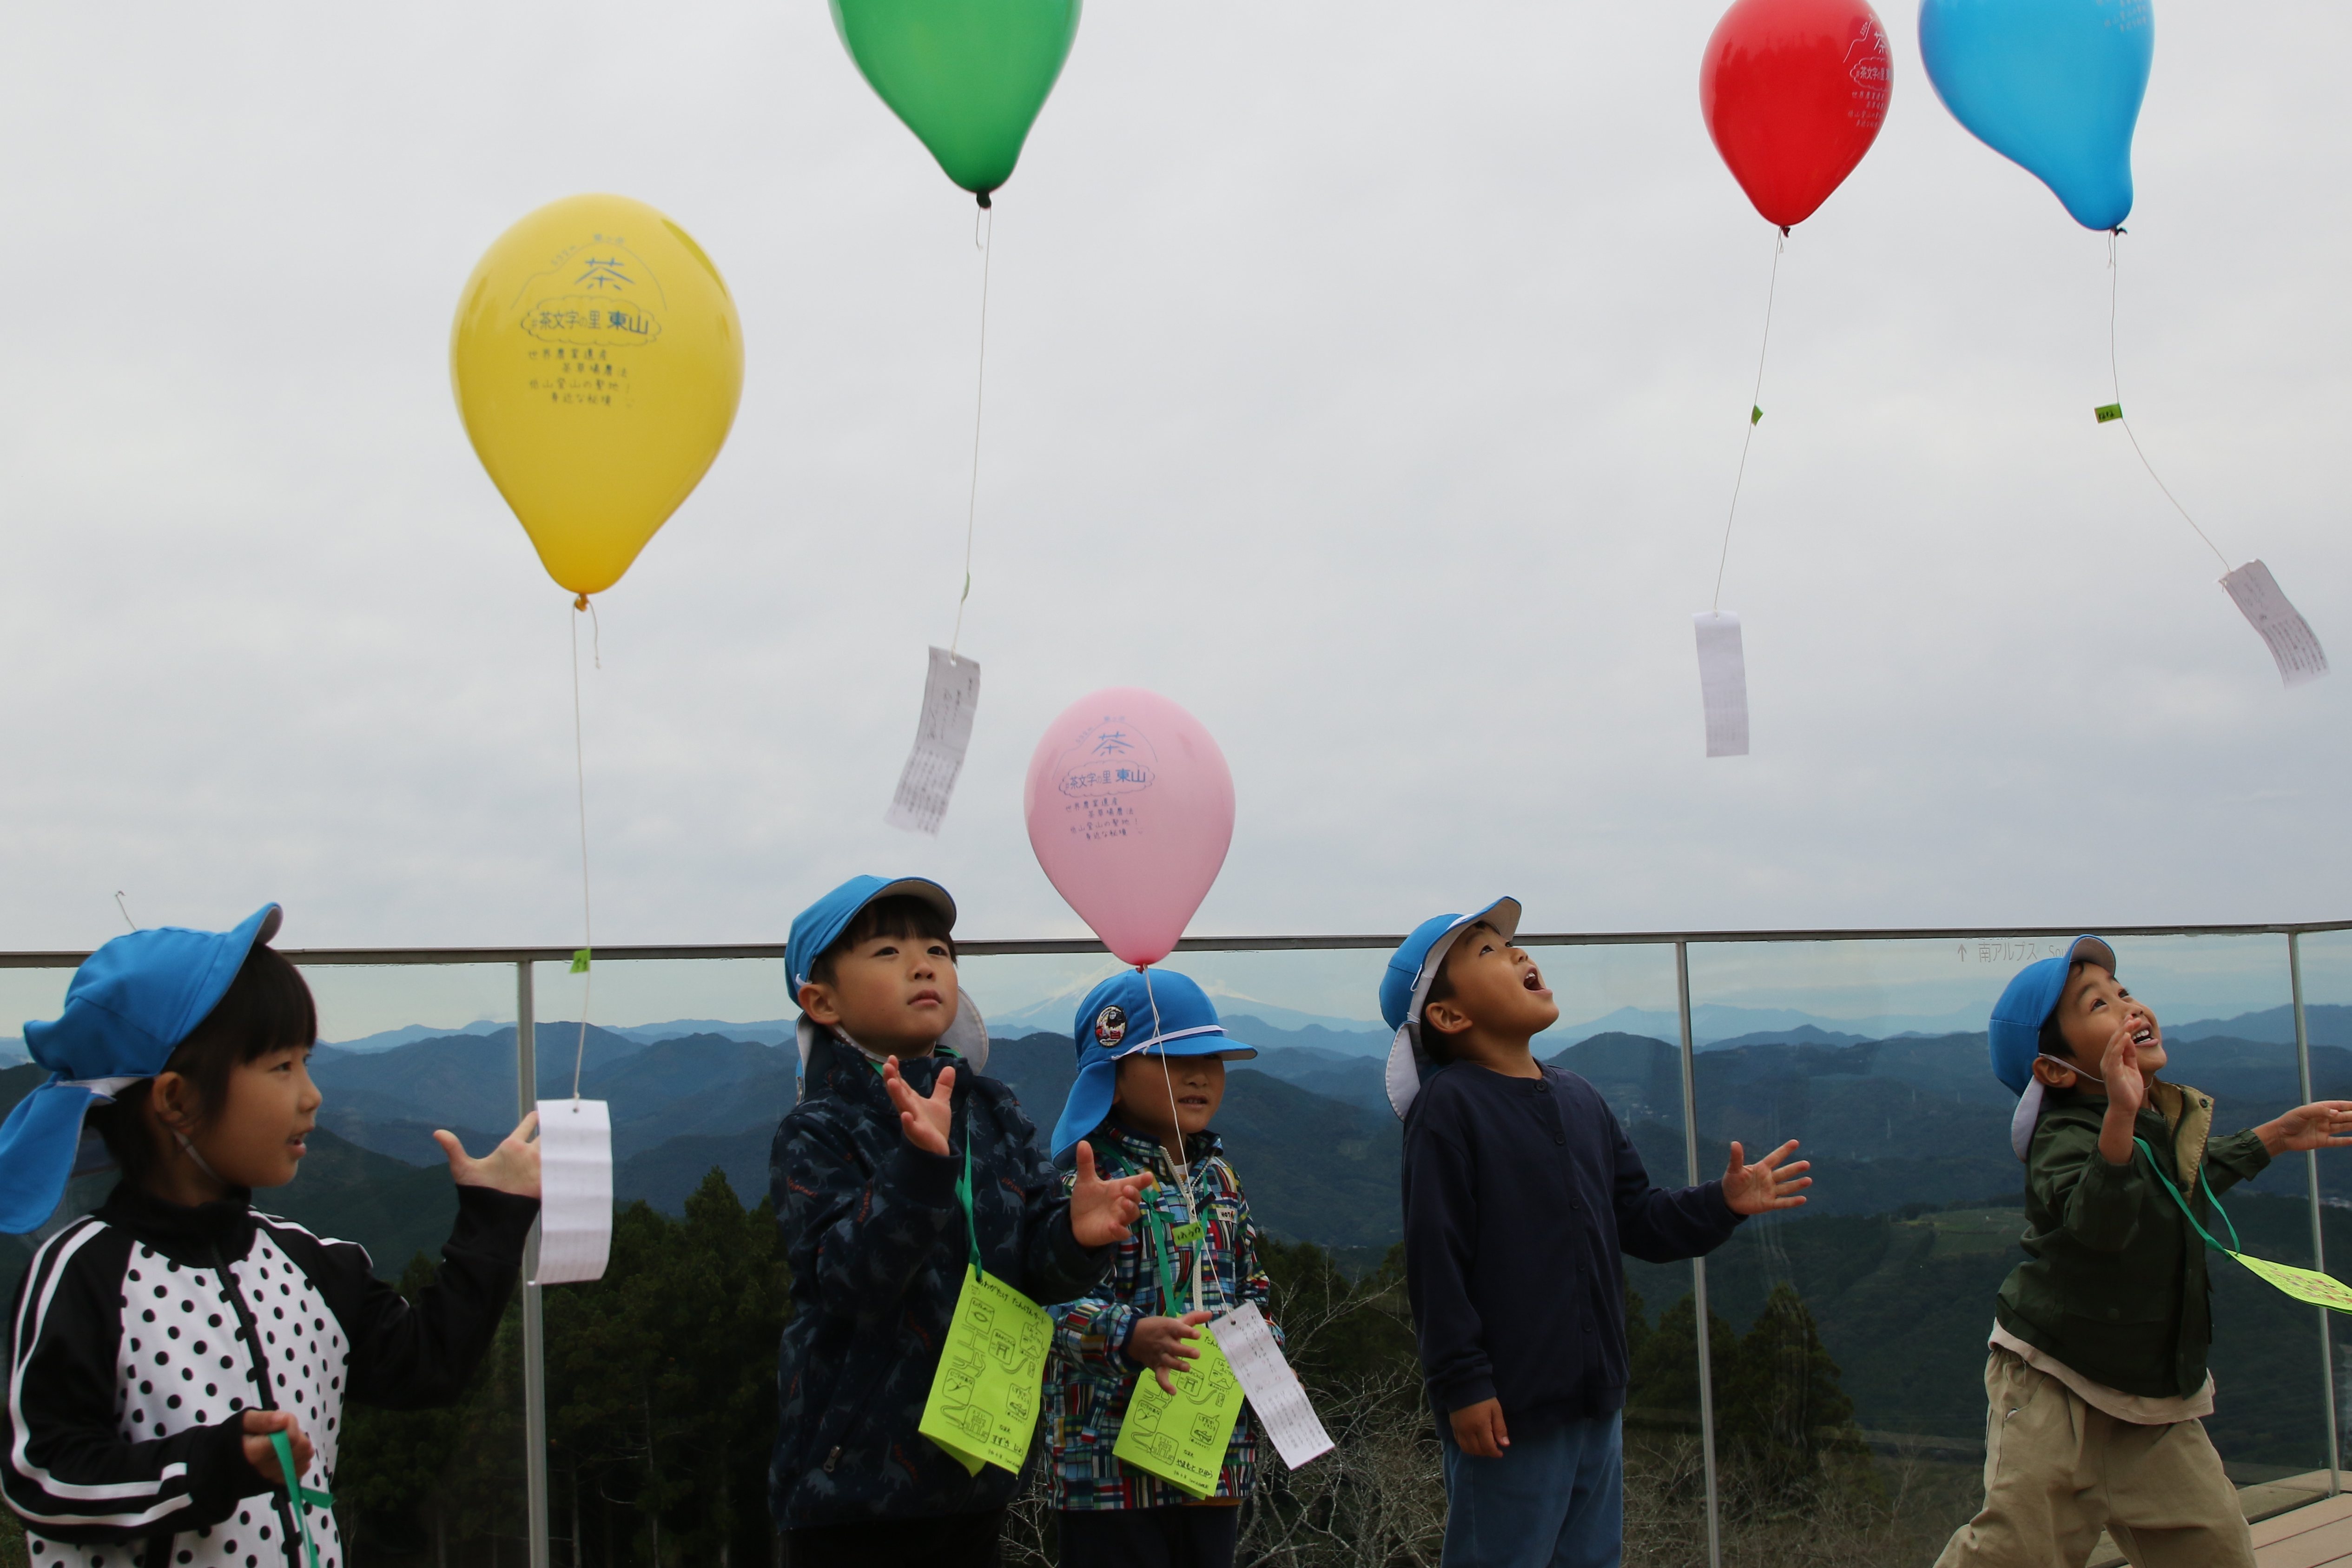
(2302, 1284)
(983, 1408)
(1180, 1438)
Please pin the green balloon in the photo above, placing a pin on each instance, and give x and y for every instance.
(967, 77)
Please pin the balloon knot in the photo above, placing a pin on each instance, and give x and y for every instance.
(1784, 230)
(581, 603)
(983, 197)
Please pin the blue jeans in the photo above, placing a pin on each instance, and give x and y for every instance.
(1555, 1500)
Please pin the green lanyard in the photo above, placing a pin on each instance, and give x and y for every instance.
(299, 1498)
(1164, 1241)
(2235, 1246)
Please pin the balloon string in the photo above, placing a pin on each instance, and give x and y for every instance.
(1183, 1166)
(1755, 416)
(2115, 376)
(587, 914)
(985, 236)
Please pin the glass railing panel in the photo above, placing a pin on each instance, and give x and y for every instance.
(661, 1388)
(1850, 1389)
(2326, 961)
(407, 1048)
(1873, 1055)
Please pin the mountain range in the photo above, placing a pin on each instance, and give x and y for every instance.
(1912, 1221)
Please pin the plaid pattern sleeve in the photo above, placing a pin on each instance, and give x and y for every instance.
(1089, 1379)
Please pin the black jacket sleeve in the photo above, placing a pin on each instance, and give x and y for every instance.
(412, 1356)
(1666, 1225)
(68, 1472)
(1440, 1242)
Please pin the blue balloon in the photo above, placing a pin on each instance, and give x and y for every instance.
(2053, 85)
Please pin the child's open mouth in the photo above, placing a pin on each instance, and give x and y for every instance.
(2145, 1036)
(1534, 980)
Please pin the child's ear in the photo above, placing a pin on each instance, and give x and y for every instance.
(2052, 1074)
(816, 1000)
(1445, 1018)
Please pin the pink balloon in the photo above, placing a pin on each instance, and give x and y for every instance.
(1130, 811)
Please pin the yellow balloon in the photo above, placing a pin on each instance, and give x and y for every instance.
(597, 360)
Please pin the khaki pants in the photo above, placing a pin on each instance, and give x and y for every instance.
(2058, 1471)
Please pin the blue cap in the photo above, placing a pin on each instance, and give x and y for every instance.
(1404, 989)
(820, 925)
(129, 1006)
(2014, 1033)
(1156, 1011)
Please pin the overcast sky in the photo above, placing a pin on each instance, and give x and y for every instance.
(1369, 379)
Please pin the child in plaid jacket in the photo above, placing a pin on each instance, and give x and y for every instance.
(1151, 1077)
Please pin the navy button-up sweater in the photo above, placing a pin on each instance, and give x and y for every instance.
(1518, 1195)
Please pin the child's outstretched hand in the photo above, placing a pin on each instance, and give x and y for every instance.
(925, 1120)
(2322, 1124)
(1767, 1184)
(1101, 1211)
(511, 1167)
(1160, 1344)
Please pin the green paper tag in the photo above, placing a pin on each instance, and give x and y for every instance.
(2108, 412)
(580, 961)
(983, 1408)
(1181, 1437)
(1185, 1235)
(2303, 1284)
(1756, 416)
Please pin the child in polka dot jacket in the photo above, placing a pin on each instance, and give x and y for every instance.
(161, 1344)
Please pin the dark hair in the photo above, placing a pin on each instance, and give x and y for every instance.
(2052, 1042)
(267, 1008)
(900, 916)
(1433, 1042)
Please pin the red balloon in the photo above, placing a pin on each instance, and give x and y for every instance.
(1794, 93)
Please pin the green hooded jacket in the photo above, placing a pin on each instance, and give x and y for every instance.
(2114, 1283)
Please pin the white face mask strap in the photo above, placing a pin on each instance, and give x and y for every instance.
(190, 1151)
(2070, 1067)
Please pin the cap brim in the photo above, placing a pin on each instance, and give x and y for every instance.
(921, 887)
(2092, 950)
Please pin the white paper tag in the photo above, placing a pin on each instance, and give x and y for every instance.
(575, 1190)
(1274, 1389)
(951, 692)
(1722, 683)
(2288, 635)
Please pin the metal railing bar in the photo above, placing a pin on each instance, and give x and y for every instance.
(994, 947)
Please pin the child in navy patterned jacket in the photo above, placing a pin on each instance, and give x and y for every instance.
(1151, 1057)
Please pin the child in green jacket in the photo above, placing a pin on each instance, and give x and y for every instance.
(2097, 1377)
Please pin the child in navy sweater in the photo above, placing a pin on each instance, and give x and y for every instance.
(1520, 1190)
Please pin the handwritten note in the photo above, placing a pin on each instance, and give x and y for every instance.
(1722, 683)
(1181, 1436)
(951, 692)
(2284, 631)
(1274, 1390)
(983, 1408)
(575, 1190)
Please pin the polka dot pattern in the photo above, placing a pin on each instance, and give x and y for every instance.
(182, 1363)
